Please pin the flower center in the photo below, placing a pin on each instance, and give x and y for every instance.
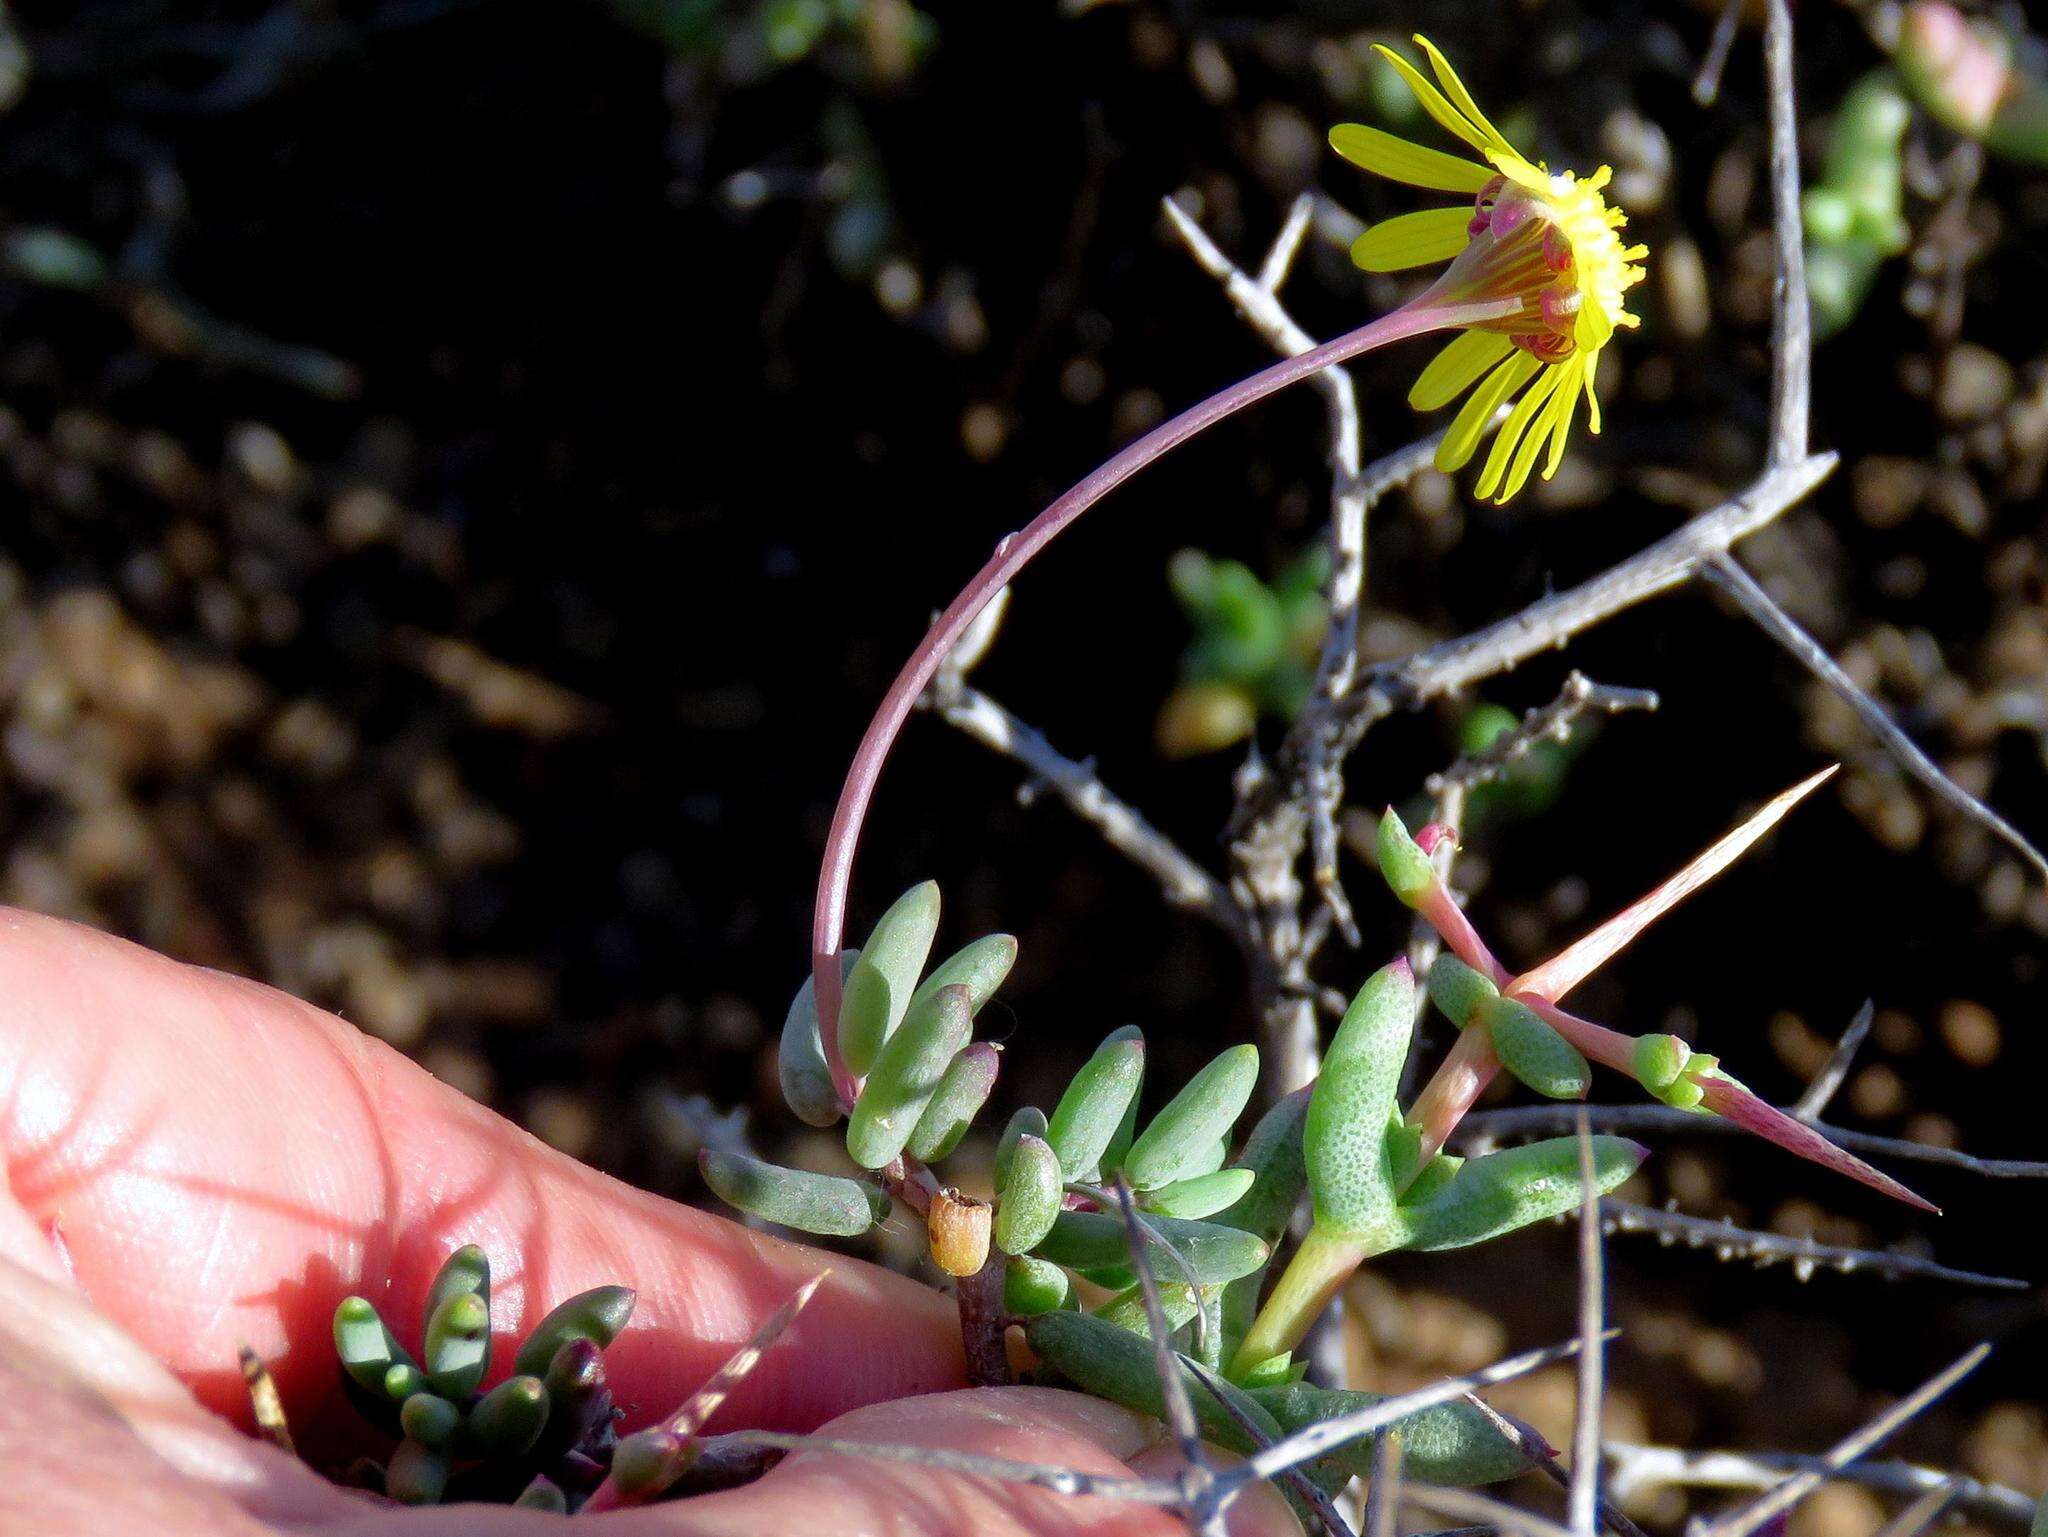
(1519, 251)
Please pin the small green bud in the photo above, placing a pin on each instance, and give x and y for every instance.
(1033, 1286)
(1458, 990)
(827, 1204)
(1406, 868)
(1202, 1196)
(458, 1345)
(598, 1314)
(1659, 1060)
(906, 1075)
(402, 1380)
(1028, 1201)
(879, 987)
(1194, 1119)
(648, 1461)
(1531, 1049)
(1095, 1103)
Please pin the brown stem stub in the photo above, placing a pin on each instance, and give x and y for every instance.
(980, 1298)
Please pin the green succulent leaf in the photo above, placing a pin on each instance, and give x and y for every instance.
(1194, 1120)
(1092, 1241)
(598, 1314)
(1027, 1121)
(800, 1065)
(1453, 1444)
(1178, 1302)
(827, 1204)
(961, 1093)
(509, 1419)
(1096, 1102)
(369, 1351)
(429, 1419)
(879, 987)
(907, 1074)
(1512, 1188)
(543, 1494)
(1351, 1163)
(457, 1349)
(417, 1474)
(1033, 1286)
(1202, 1196)
(1406, 868)
(468, 1269)
(1115, 1364)
(1532, 1050)
(1028, 1201)
(979, 967)
(1458, 990)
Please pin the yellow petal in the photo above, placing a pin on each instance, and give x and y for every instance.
(1460, 97)
(1592, 398)
(1433, 101)
(1560, 412)
(1511, 432)
(1398, 160)
(1477, 413)
(1452, 371)
(1413, 239)
(1532, 442)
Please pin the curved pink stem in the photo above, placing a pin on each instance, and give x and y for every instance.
(1012, 556)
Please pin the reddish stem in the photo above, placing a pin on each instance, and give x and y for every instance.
(835, 874)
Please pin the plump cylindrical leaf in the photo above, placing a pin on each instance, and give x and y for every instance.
(879, 987)
(1093, 1240)
(954, 1104)
(457, 1350)
(907, 1074)
(1273, 1154)
(1033, 1286)
(806, 1080)
(979, 967)
(1118, 1365)
(508, 1419)
(1193, 1120)
(1351, 1168)
(468, 1269)
(1178, 1302)
(368, 1350)
(1458, 990)
(402, 1380)
(429, 1419)
(416, 1474)
(1513, 1188)
(957, 1227)
(1202, 1196)
(1029, 1121)
(598, 1314)
(827, 1204)
(1028, 1200)
(1452, 1444)
(1095, 1103)
(1533, 1051)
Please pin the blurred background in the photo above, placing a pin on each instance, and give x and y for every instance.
(467, 471)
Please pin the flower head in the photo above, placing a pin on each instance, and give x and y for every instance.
(1542, 242)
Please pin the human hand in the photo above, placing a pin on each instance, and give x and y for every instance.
(196, 1162)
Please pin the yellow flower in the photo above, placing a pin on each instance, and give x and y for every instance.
(1543, 239)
